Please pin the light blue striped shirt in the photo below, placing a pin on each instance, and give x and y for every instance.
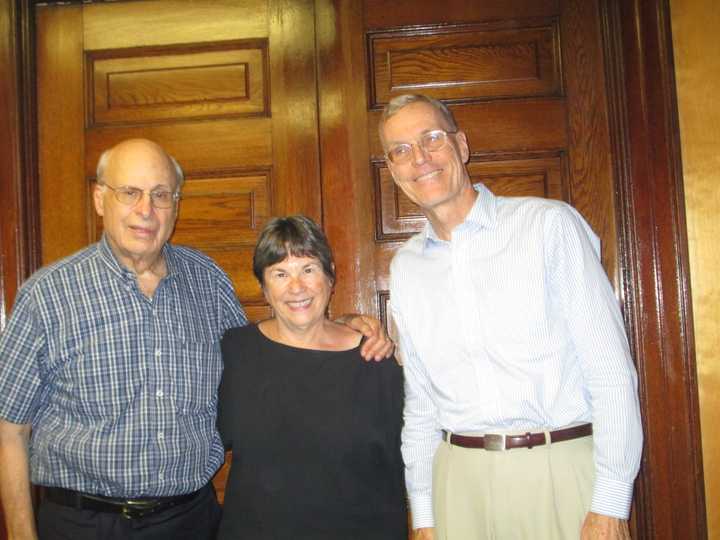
(120, 389)
(512, 325)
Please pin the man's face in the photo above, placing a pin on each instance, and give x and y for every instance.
(137, 232)
(429, 179)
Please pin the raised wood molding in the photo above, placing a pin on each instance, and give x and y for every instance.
(669, 494)
(210, 80)
(507, 59)
(410, 12)
(538, 174)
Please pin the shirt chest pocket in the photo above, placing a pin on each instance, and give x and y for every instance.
(194, 376)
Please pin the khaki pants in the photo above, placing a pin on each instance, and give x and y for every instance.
(534, 494)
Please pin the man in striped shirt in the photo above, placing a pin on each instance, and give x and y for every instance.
(521, 409)
(109, 368)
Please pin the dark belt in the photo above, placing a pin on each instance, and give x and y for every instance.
(129, 508)
(491, 441)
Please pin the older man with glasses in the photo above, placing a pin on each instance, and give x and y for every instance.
(109, 368)
(521, 409)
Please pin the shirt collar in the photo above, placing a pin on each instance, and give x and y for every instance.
(482, 215)
(116, 268)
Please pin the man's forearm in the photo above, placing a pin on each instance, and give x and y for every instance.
(15, 481)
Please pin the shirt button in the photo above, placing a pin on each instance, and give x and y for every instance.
(157, 353)
(159, 393)
(161, 435)
(161, 476)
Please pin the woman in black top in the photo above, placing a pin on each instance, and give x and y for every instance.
(314, 429)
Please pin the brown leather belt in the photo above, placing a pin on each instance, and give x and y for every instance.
(494, 442)
(129, 508)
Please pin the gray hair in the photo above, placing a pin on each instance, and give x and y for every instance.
(105, 156)
(398, 103)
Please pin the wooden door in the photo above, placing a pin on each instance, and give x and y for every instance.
(526, 82)
(226, 87)
(215, 83)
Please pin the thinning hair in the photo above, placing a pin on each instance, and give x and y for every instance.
(398, 103)
(105, 157)
(298, 236)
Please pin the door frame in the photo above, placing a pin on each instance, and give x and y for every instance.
(652, 237)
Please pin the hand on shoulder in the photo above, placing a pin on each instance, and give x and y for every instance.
(378, 346)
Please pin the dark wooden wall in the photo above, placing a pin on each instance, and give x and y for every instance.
(669, 500)
(670, 491)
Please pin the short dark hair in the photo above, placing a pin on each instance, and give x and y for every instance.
(299, 236)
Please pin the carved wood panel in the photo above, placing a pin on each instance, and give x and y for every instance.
(183, 82)
(474, 61)
(223, 211)
(397, 218)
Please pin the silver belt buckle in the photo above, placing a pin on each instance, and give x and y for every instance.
(494, 442)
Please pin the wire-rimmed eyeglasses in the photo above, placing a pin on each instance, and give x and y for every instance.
(432, 141)
(159, 198)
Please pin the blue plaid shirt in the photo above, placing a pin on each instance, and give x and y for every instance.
(120, 389)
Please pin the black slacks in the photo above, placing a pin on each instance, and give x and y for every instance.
(197, 519)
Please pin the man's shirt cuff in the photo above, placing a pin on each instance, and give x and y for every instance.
(422, 512)
(611, 498)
